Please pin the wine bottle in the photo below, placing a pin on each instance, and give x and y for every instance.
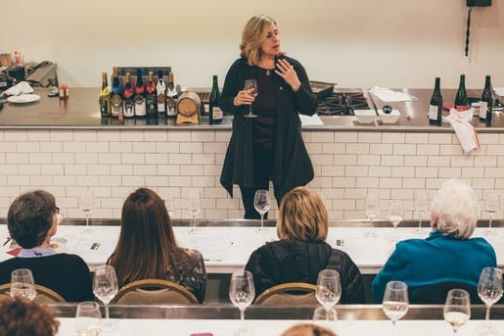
(128, 98)
(461, 99)
(105, 97)
(436, 104)
(150, 97)
(140, 95)
(171, 97)
(116, 99)
(487, 101)
(161, 94)
(215, 113)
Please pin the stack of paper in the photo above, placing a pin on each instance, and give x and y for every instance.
(390, 96)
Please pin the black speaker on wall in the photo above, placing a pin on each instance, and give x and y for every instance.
(479, 3)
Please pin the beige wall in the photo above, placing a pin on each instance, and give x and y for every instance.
(357, 43)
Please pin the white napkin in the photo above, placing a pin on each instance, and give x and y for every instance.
(19, 89)
(313, 120)
(390, 96)
(499, 91)
(464, 131)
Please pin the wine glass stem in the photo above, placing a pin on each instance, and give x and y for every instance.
(262, 222)
(87, 219)
(487, 313)
(107, 314)
(242, 315)
(250, 109)
(490, 221)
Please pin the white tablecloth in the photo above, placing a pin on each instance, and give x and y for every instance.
(226, 249)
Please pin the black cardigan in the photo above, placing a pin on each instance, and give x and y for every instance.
(292, 166)
(301, 261)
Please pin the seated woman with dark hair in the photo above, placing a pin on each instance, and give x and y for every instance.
(33, 218)
(147, 249)
(448, 255)
(18, 317)
(302, 252)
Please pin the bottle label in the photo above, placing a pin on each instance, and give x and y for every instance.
(217, 113)
(433, 112)
(116, 105)
(161, 106)
(483, 110)
(129, 108)
(140, 106)
(171, 110)
(207, 109)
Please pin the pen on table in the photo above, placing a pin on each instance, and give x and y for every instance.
(7, 241)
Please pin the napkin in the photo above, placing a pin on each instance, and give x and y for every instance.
(390, 96)
(466, 135)
(19, 89)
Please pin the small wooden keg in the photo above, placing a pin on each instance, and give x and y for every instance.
(188, 107)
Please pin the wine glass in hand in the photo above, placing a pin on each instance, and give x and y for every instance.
(242, 291)
(457, 309)
(395, 300)
(251, 84)
(105, 285)
(262, 204)
(490, 287)
(22, 284)
(328, 292)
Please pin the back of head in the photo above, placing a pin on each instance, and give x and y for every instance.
(308, 329)
(146, 242)
(18, 317)
(454, 209)
(303, 216)
(253, 36)
(30, 217)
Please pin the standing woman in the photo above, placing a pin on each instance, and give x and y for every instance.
(269, 146)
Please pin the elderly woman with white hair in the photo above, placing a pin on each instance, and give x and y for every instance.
(448, 254)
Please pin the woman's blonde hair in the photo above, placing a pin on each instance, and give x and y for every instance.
(253, 36)
(308, 329)
(303, 216)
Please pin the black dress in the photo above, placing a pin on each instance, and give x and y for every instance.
(301, 261)
(291, 165)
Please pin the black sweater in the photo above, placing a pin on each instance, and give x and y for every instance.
(66, 274)
(299, 261)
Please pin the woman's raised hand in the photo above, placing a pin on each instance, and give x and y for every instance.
(245, 97)
(285, 70)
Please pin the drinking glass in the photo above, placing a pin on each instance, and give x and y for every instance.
(86, 204)
(328, 292)
(251, 84)
(421, 208)
(242, 291)
(395, 300)
(372, 208)
(262, 204)
(195, 208)
(490, 287)
(491, 208)
(320, 314)
(88, 319)
(457, 309)
(105, 285)
(22, 284)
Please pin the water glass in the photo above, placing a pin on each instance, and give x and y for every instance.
(105, 286)
(86, 203)
(262, 203)
(320, 314)
(88, 319)
(22, 284)
(421, 208)
(395, 300)
(328, 292)
(457, 309)
(490, 287)
(491, 207)
(251, 84)
(242, 291)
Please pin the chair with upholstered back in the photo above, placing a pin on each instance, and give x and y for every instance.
(290, 293)
(44, 294)
(436, 293)
(154, 291)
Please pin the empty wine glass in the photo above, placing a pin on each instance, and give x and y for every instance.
(105, 286)
(328, 292)
(372, 208)
(262, 203)
(242, 291)
(490, 287)
(88, 319)
(251, 84)
(22, 284)
(395, 300)
(491, 208)
(195, 209)
(421, 208)
(320, 314)
(457, 309)
(86, 204)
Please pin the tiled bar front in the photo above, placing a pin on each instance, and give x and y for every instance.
(184, 164)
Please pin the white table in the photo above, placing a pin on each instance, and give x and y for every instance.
(227, 249)
(152, 327)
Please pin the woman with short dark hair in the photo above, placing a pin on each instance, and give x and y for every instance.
(147, 248)
(18, 317)
(32, 220)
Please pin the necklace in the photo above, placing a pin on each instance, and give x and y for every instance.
(268, 72)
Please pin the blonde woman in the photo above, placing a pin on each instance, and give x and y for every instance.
(265, 148)
(302, 251)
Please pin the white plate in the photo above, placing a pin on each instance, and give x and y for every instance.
(22, 99)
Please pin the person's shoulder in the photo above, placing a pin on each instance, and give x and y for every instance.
(240, 62)
(70, 259)
(482, 243)
(191, 254)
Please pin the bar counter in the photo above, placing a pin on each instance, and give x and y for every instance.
(81, 111)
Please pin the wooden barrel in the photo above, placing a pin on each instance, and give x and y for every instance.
(188, 104)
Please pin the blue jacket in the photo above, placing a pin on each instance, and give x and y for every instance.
(438, 258)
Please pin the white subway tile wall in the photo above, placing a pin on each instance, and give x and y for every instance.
(183, 165)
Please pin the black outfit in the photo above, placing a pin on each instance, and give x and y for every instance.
(269, 147)
(301, 261)
(66, 274)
